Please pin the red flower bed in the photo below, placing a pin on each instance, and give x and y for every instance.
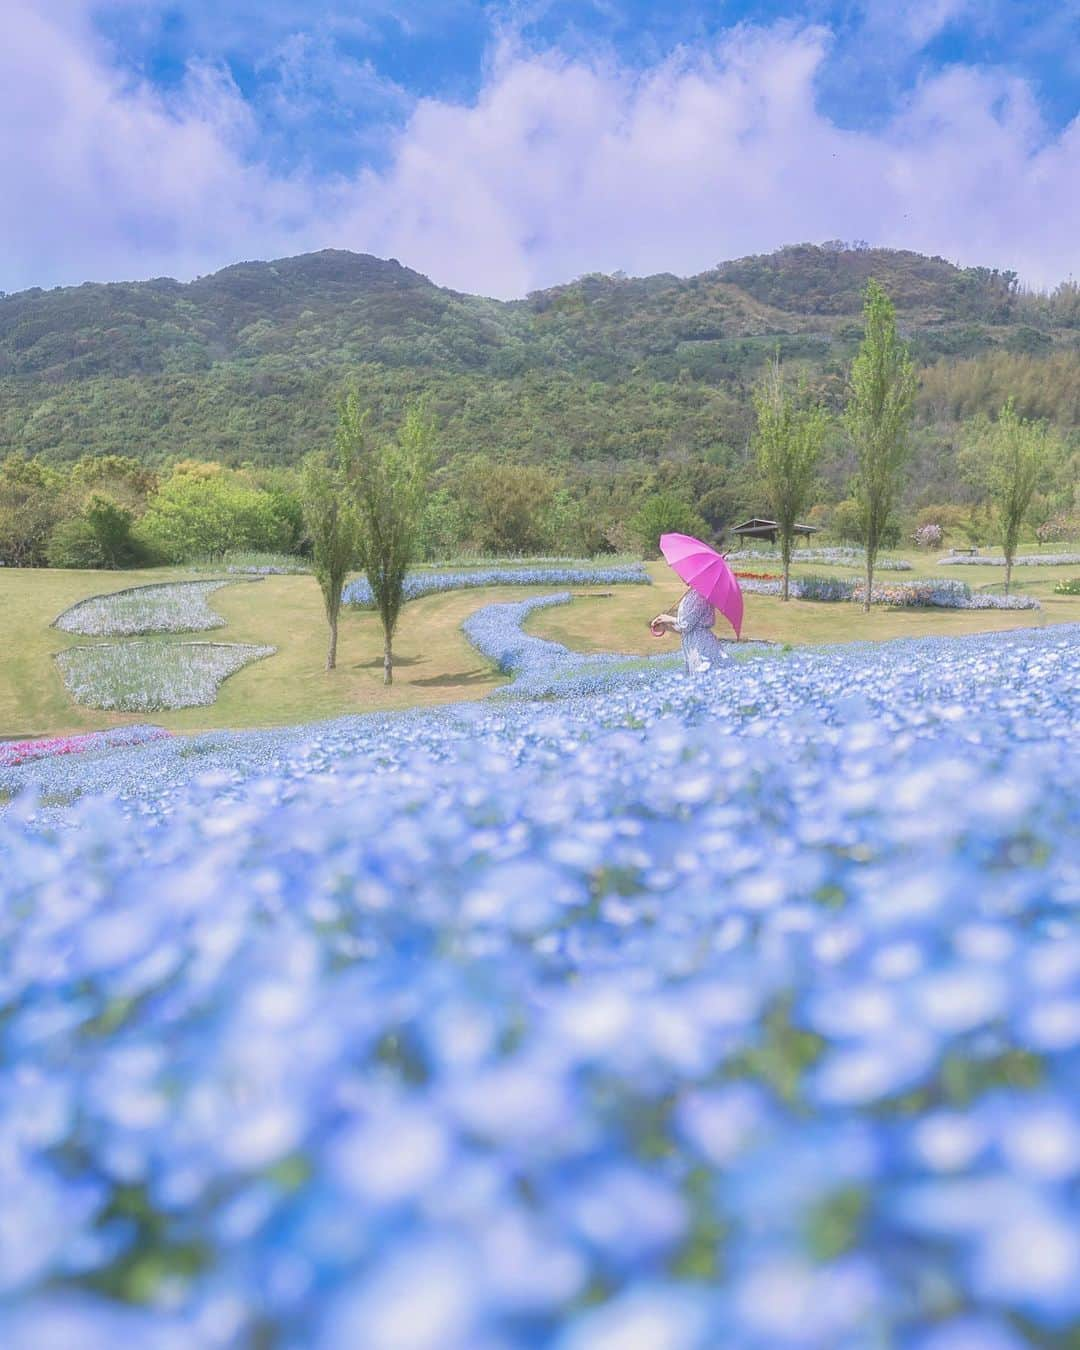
(760, 576)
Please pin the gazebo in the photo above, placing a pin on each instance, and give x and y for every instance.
(768, 529)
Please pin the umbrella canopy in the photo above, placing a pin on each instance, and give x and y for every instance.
(701, 567)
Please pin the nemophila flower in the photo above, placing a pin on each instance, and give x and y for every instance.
(1021, 560)
(838, 556)
(423, 1296)
(147, 676)
(170, 607)
(948, 1141)
(932, 593)
(418, 584)
(971, 1333)
(1040, 1138)
(1030, 1259)
(784, 1301)
(13, 753)
(654, 1317)
(689, 1012)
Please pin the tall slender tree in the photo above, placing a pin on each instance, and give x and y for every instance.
(878, 418)
(788, 441)
(1018, 452)
(390, 489)
(332, 526)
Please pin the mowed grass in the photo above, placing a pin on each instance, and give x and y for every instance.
(619, 621)
(434, 663)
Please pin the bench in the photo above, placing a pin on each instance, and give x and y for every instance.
(966, 552)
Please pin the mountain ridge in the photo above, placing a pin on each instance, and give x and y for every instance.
(246, 362)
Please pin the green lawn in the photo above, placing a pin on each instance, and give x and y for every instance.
(435, 663)
(619, 622)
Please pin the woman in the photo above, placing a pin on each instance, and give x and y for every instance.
(693, 619)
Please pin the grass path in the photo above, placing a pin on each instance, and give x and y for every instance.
(435, 664)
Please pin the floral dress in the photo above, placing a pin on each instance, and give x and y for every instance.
(694, 620)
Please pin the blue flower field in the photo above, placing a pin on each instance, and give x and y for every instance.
(623, 1011)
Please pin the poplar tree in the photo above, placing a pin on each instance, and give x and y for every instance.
(330, 520)
(788, 443)
(390, 491)
(878, 417)
(1017, 453)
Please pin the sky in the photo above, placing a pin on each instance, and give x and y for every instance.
(505, 147)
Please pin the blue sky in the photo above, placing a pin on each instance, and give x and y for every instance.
(501, 147)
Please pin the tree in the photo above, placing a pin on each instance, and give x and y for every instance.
(506, 507)
(99, 536)
(333, 529)
(659, 513)
(788, 445)
(390, 488)
(1017, 452)
(878, 416)
(30, 508)
(203, 511)
(120, 478)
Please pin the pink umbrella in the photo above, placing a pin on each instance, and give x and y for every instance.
(707, 572)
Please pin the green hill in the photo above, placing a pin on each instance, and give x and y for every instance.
(246, 364)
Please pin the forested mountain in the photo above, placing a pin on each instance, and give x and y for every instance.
(247, 364)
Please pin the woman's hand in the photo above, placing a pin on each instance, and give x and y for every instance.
(664, 622)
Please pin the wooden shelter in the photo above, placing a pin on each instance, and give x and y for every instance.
(769, 529)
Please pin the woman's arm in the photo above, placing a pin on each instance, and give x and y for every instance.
(667, 621)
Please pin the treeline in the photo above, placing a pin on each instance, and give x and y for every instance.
(272, 416)
(111, 511)
(114, 511)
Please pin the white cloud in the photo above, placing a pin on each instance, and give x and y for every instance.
(102, 178)
(559, 167)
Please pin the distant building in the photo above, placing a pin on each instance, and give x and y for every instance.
(768, 529)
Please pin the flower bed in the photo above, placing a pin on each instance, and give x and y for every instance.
(827, 557)
(542, 668)
(418, 584)
(933, 593)
(170, 607)
(13, 753)
(739, 1012)
(152, 676)
(759, 576)
(1069, 587)
(1024, 560)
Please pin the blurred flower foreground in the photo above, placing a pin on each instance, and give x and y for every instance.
(676, 1015)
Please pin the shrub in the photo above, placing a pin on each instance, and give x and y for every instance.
(197, 514)
(952, 519)
(929, 536)
(660, 513)
(1061, 528)
(99, 536)
(846, 524)
(504, 507)
(1071, 586)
